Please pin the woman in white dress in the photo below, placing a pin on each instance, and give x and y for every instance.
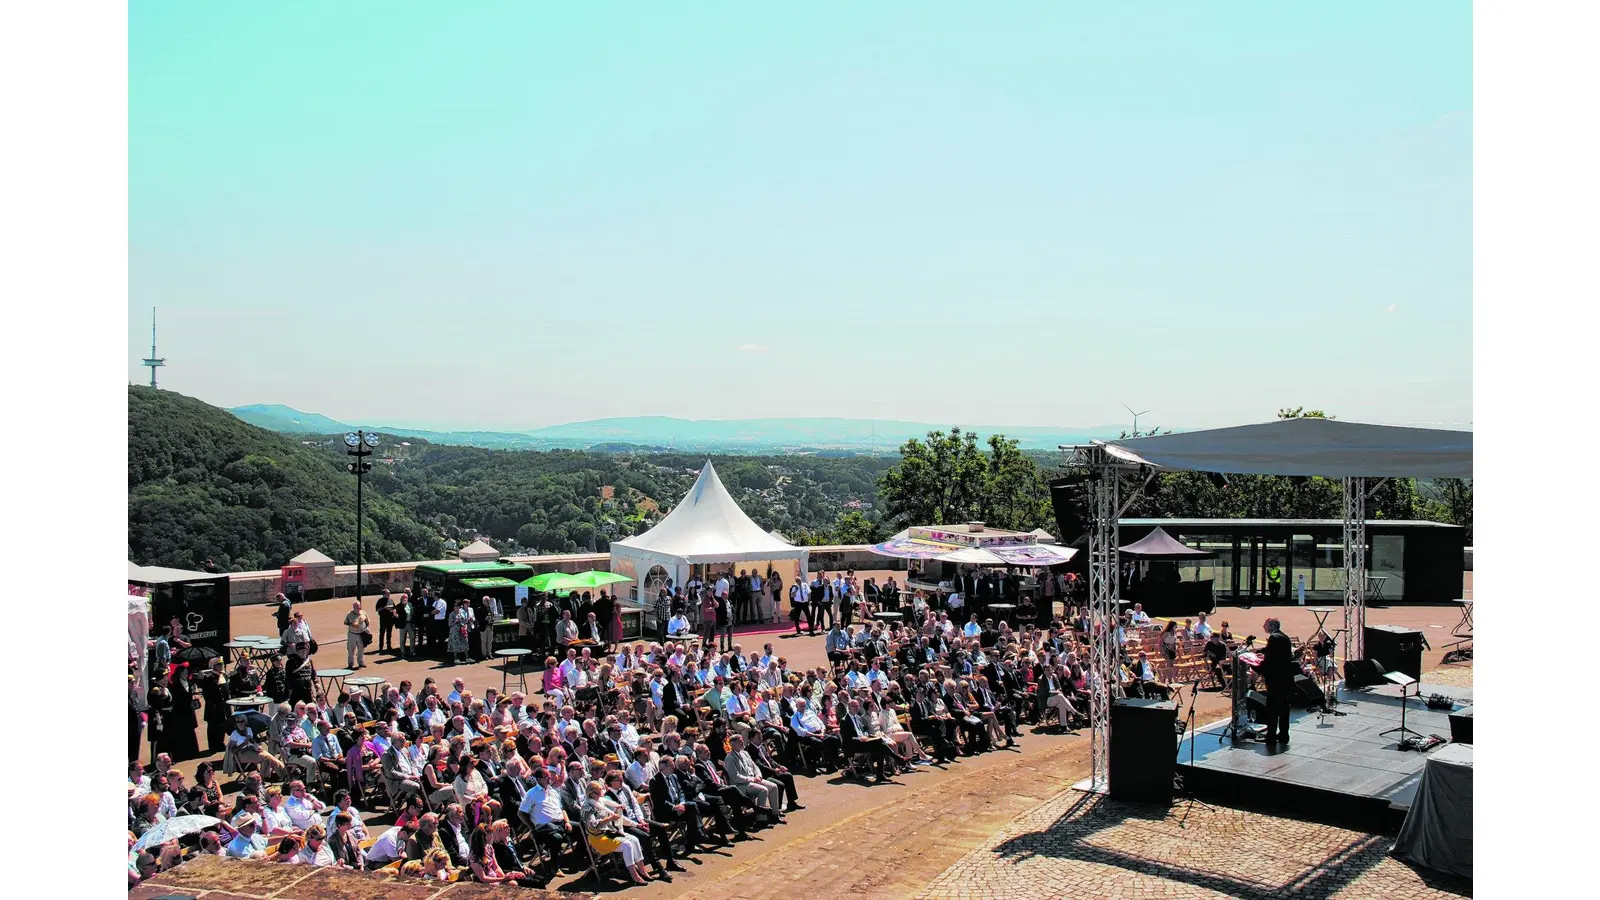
(602, 822)
(884, 721)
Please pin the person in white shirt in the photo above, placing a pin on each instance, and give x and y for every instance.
(678, 626)
(721, 590)
(303, 809)
(1203, 629)
(1140, 617)
(643, 769)
(391, 845)
(955, 601)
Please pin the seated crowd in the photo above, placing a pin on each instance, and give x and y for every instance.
(643, 755)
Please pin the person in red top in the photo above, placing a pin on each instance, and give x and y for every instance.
(708, 619)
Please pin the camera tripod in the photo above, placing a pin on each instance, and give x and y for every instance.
(1180, 786)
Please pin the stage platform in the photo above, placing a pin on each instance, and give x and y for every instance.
(1342, 768)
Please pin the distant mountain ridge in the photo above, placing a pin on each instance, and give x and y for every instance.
(726, 435)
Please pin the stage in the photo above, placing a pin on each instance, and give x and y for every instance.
(1339, 767)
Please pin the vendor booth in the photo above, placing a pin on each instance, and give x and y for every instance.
(473, 580)
(706, 528)
(198, 600)
(1165, 577)
(950, 559)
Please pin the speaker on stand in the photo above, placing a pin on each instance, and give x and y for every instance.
(1144, 752)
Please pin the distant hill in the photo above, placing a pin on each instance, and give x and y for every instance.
(204, 485)
(813, 433)
(636, 433)
(276, 417)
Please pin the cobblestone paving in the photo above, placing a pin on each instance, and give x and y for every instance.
(1079, 845)
(1450, 675)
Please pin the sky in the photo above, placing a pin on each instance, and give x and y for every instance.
(509, 215)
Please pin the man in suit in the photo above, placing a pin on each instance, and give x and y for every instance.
(670, 801)
(770, 769)
(454, 834)
(719, 790)
(676, 699)
(746, 777)
(709, 798)
(399, 771)
(1278, 670)
(853, 729)
(932, 722)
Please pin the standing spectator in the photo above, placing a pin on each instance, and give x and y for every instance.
(421, 619)
(439, 623)
(493, 612)
(708, 619)
(460, 636)
(663, 610)
(404, 623)
(358, 633)
(214, 691)
(385, 622)
(285, 607)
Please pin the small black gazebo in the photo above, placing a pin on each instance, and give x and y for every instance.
(1162, 590)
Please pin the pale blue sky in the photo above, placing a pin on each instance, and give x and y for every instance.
(510, 215)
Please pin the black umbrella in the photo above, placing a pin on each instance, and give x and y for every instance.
(258, 722)
(197, 657)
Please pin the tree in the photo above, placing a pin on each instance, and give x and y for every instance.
(937, 482)
(854, 528)
(948, 480)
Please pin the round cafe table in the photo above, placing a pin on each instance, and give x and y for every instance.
(1004, 610)
(888, 616)
(240, 704)
(252, 638)
(506, 656)
(239, 650)
(331, 678)
(364, 681)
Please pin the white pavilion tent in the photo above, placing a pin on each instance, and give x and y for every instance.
(707, 526)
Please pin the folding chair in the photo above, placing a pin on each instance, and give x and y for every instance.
(599, 864)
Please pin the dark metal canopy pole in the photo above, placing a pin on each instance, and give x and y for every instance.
(359, 446)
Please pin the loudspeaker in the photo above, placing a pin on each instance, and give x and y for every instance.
(1396, 648)
(1144, 750)
(1255, 706)
(1461, 726)
(1307, 695)
(1360, 673)
(1069, 497)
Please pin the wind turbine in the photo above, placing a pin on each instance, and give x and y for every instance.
(1136, 416)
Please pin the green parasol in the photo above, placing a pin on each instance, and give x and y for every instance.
(594, 579)
(561, 581)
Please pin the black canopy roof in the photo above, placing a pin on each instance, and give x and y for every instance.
(1160, 545)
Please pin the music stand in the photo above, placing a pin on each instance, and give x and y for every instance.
(1404, 681)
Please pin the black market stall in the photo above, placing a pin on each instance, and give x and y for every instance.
(473, 581)
(198, 600)
(1165, 577)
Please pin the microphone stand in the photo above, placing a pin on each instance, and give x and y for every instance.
(1180, 784)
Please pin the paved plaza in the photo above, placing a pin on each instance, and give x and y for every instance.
(1082, 845)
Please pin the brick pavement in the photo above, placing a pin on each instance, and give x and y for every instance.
(1080, 845)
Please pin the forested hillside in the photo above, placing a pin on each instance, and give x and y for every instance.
(204, 485)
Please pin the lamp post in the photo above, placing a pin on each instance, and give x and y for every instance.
(359, 446)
